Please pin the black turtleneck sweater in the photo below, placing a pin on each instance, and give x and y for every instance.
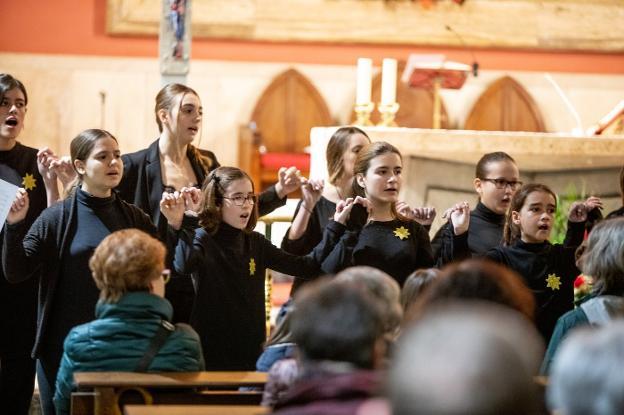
(396, 247)
(322, 214)
(549, 271)
(96, 218)
(485, 233)
(229, 272)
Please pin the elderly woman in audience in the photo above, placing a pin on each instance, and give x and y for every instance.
(603, 260)
(466, 358)
(132, 330)
(586, 375)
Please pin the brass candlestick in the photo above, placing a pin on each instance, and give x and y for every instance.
(363, 113)
(388, 112)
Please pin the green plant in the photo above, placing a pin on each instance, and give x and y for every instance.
(564, 201)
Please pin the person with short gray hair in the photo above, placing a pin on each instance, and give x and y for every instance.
(603, 261)
(467, 358)
(587, 373)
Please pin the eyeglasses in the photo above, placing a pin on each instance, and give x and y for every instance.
(166, 275)
(240, 199)
(502, 183)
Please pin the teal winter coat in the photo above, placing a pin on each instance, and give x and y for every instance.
(118, 339)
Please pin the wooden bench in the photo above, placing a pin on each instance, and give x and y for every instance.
(195, 410)
(104, 393)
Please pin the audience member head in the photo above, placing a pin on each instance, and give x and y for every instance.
(587, 373)
(530, 216)
(603, 259)
(126, 261)
(338, 322)
(96, 158)
(13, 102)
(342, 150)
(179, 115)
(416, 284)
(382, 287)
(622, 184)
(467, 358)
(478, 280)
(228, 196)
(496, 180)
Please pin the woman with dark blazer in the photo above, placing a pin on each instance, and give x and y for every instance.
(171, 163)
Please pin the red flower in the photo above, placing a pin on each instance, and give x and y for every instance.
(579, 281)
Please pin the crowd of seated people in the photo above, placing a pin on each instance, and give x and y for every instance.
(383, 319)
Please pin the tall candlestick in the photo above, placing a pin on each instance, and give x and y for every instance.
(388, 81)
(364, 80)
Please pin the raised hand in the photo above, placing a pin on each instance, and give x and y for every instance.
(424, 215)
(45, 158)
(404, 210)
(64, 170)
(343, 210)
(579, 210)
(172, 206)
(192, 198)
(19, 207)
(460, 217)
(288, 180)
(311, 193)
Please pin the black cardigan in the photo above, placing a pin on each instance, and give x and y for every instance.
(142, 183)
(38, 252)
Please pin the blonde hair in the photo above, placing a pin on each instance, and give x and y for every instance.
(126, 261)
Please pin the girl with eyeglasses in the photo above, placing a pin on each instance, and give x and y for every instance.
(548, 269)
(496, 180)
(227, 261)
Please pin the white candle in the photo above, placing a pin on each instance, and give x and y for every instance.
(364, 80)
(388, 81)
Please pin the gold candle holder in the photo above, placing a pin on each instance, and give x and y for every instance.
(363, 113)
(388, 112)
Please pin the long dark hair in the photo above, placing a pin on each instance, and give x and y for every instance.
(213, 190)
(512, 231)
(165, 100)
(8, 82)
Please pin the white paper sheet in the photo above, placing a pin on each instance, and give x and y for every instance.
(7, 196)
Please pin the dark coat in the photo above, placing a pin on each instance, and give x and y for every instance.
(118, 339)
(39, 252)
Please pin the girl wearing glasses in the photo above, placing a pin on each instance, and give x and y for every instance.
(172, 162)
(548, 270)
(496, 180)
(228, 261)
(57, 247)
(389, 241)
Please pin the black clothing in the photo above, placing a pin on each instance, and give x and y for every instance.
(616, 213)
(549, 271)
(96, 218)
(18, 166)
(396, 247)
(322, 214)
(41, 251)
(229, 271)
(142, 186)
(485, 233)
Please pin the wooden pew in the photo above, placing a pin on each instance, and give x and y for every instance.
(104, 393)
(195, 410)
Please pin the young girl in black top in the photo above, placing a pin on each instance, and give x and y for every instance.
(549, 270)
(388, 241)
(316, 209)
(496, 180)
(228, 262)
(57, 248)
